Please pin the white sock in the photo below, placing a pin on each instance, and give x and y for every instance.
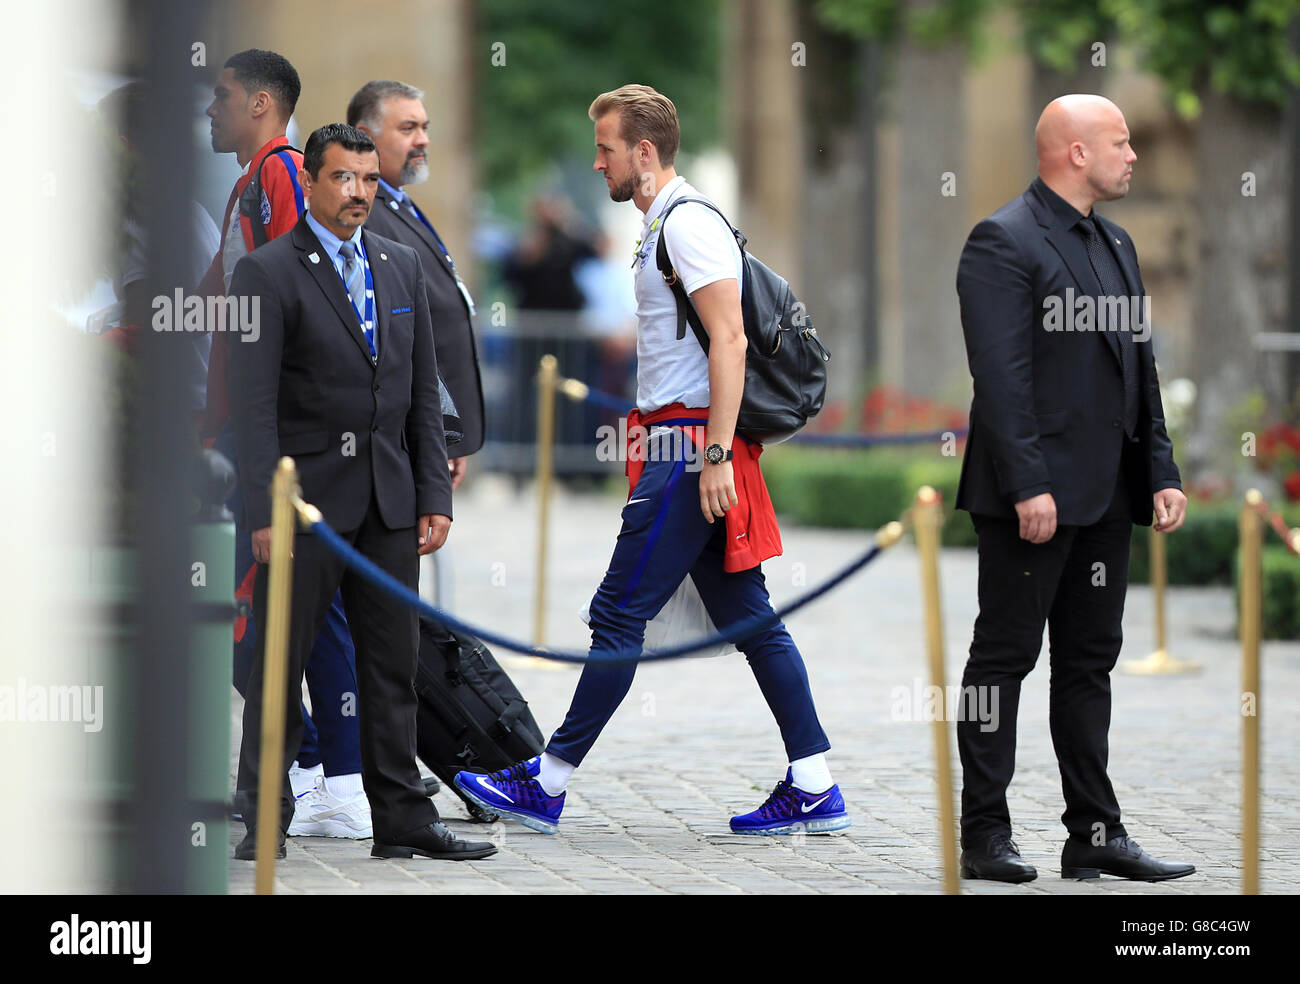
(346, 787)
(811, 774)
(554, 774)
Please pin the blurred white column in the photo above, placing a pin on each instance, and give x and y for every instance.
(57, 201)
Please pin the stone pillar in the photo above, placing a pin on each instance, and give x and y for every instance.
(766, 134)
(929, 358)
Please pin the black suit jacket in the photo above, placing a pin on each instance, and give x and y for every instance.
(453, 328)
(1048, 406)
(306, 387)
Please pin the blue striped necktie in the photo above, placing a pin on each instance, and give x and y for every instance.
(355, 282)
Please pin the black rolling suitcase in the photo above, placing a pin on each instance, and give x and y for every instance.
(471, 714)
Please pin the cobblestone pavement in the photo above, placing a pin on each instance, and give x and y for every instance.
(693, 742)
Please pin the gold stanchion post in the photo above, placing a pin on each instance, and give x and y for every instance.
(1159, 662)
(547, 382)
(275, 672)
(1250, 616)
(574, 389)
(927, 523)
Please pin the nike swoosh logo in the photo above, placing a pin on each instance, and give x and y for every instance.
(739, 535)
(483, 781)
(642, 499)
(808, 807)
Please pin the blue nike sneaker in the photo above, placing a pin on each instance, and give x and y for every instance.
(790, 811)
(514, 792)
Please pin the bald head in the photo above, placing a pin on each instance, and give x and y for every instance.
(1083, 149)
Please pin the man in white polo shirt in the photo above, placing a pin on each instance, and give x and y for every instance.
(696, 470)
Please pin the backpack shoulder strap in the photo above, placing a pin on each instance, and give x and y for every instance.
(250, 199)
(686, 313)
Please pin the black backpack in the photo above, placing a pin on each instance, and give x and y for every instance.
(785, 361)
(250, 199)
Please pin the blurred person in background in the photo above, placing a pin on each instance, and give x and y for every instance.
(126, 108)
(609, 316)
(541, 270)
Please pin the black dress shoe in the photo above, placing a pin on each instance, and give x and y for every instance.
(431, 786)
(1121, 857)
(246, 849)
(433, 841)
(998, 860)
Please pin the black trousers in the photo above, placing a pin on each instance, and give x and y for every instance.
(1075, 584)
(386, 636)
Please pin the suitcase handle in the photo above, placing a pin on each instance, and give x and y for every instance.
(504, 725)
(452, 654)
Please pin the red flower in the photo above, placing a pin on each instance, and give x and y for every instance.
(1292, 486)
(1279, 444)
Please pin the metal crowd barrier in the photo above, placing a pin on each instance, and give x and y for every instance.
(509, 357)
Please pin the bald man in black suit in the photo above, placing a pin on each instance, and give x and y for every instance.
(1067, 450)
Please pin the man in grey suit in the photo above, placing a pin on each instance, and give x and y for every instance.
(393, 115)
(341, 374)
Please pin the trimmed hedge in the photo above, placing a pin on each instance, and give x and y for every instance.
(1201, 551)
(848, 489)
(1280, 602)
(1281, 594)
(1205, 551)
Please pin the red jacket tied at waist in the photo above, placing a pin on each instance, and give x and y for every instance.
(752, 533)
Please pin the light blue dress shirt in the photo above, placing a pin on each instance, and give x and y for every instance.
(331, 243)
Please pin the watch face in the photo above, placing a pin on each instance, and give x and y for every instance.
(714, 453)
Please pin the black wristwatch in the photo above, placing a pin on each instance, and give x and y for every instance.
(715, 455)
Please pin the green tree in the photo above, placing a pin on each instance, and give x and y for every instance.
(887, 20)
(1229, 67)
(542, 65)
(1237, 49)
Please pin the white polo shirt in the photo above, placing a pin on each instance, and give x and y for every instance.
(703, 251)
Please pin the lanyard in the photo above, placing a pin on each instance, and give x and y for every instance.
(410, 203)
(460, 284)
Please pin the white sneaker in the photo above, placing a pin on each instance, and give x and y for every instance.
(318, 814)
(303, 781)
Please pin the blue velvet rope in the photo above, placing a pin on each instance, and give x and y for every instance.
(739, 630)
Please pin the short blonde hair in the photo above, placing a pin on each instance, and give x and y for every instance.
(644, 114)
